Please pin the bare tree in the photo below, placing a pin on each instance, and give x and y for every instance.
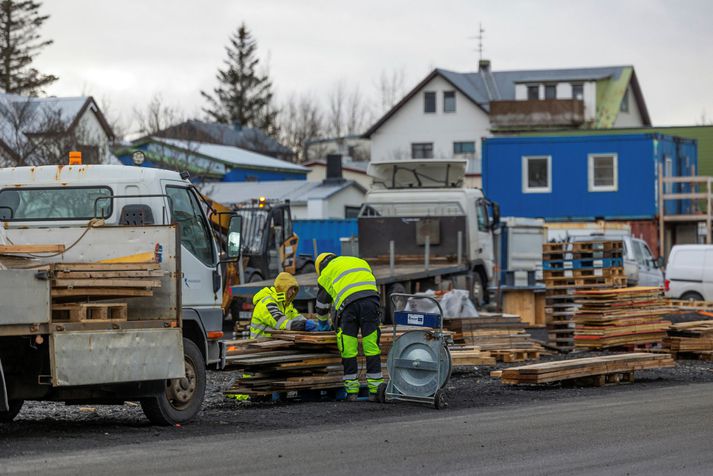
(347, 111)
(157, 116)
(300, 120)
(113, 117)
(390, 87)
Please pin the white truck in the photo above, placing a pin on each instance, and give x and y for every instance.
(418, 228)
(160, 353)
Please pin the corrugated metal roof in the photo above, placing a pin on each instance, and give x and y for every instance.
(297, 191)
(232, 155)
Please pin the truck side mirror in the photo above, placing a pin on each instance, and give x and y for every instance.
(235, 229)
(495, 215)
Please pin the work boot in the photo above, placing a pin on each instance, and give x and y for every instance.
(352, 397)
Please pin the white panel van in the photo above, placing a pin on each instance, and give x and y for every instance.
(689, 273)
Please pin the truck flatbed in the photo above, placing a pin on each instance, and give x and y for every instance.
(383, 274)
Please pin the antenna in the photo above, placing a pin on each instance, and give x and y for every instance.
(480, 37)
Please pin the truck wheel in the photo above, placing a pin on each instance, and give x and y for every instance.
(691, 296)
(15, 407)
(183, 397)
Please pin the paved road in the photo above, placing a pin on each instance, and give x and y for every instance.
(663, 431)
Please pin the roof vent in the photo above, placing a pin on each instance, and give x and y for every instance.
(334, 169)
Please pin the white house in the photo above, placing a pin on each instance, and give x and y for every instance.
(446, 115)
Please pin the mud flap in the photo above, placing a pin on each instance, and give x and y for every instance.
(4, 404)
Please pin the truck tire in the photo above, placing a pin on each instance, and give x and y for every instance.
(15, 407)
(183, 397)
(691, 296)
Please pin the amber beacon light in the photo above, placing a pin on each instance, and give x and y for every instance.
(75, 157)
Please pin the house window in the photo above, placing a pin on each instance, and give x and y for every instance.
(577, 91)
(533, 92)
(351, 212)
(423, 150)
(603, 173)
(550, 91)
(463, 148)
(537, 174)
(449, 101)
(624, 107)
(429, 102)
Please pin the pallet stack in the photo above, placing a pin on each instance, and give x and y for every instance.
(573, 266)
(690, 340)
(601, 370)
(502, 336)
(620, 318)
(76, 288)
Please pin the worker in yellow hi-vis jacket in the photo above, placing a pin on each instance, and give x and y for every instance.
(274, 309)
(348, 284)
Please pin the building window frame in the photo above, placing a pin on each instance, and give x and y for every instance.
(449, 102)
(533, 88)
(624, 106)
(579, 86)
(592, 187)
(550, 91)
(458, 147)
(426, 149)
(429, 102)
(526, 188)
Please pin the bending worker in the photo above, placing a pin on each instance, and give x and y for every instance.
(348, 284)
(274, 309)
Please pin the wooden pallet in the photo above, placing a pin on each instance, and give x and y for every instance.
(515, 355)
(94, 312)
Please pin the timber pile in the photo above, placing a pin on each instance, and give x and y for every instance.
(690, 339)
(602, 370)
(573, 266)
(294, 360)
(75, 288)
(620, 317)
(502, 336)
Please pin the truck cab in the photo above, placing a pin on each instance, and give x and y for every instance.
(414, 201)
(36, 197)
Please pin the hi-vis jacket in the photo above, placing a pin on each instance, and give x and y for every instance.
(271, 313)
(342, 281)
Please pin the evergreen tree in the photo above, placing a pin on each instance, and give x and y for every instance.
(20, 42)
(244, 94)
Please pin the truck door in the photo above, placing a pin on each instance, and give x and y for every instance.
(198, 255)
(485, 235)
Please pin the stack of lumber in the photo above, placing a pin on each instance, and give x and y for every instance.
(620, 317)
(294, 360)
(570, 267)
(502, 336)
(690, 339)
(604, 369)
(75, 288)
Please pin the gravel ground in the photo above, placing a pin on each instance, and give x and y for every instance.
(43, 426)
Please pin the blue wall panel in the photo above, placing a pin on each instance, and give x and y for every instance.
(570, 198)
(244, 175)
(326, 232)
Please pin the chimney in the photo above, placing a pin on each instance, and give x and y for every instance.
(334, 169)
(484, 66)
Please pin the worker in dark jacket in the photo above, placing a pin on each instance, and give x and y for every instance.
(348, 284)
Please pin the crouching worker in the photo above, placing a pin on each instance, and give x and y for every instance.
(274, 309)
(348, 284)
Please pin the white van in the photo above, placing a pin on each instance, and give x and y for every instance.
(689, 273)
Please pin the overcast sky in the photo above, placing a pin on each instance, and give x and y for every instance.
(129, 50)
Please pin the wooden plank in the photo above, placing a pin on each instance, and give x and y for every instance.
(106, 283)
(103, 292)
(105, 266)
(59, 248)
(109, 274)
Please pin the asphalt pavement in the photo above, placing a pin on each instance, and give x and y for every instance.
(661, 431)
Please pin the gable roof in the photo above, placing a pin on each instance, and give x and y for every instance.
(296, 191)
(484, 86)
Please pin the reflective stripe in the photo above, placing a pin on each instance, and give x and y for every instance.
(282, 320)
(351, 286)
(323, 306)
(323, 317)
(350, 377)
(375, 375)
(258, 330)
(267, 298)
(349, 271)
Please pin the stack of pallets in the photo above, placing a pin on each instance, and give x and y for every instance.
(572, 266)
(601, 370)
(76, 288)
(502, 336)
(620, 317)
(690, 340)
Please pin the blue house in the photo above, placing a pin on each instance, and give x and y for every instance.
(584, 178)
(210, 162)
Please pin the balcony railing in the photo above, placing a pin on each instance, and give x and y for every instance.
(536, 113)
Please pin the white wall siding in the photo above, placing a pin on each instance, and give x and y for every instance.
(590, 101)
(631, 118)
(392, 141)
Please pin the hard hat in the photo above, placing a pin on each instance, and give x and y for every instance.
(285, 281)
(320, 259)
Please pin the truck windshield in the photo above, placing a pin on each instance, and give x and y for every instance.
(253, 225)
(424, 209)
(62, 203)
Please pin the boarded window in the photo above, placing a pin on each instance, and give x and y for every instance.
(449, 101)
(603, 174)
(537, 174)
(423, 150)
(429, 102)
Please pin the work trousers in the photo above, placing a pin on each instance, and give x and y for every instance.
(362, 314)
